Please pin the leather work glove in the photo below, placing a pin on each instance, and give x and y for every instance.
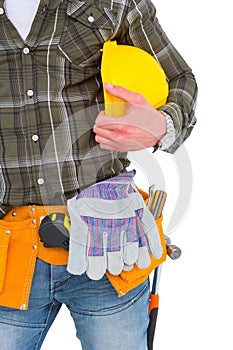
(111, 229)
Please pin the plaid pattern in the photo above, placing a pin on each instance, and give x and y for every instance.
(111, 189)
(51, 92)
(141, 234)
(114, 229)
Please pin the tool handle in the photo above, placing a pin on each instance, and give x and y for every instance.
(151, 328)
(155, 204)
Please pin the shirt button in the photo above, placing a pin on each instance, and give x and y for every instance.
(91, 19)
(30, 93)
(26, 50)
(40, 181)
(1, 11)
(35, 138)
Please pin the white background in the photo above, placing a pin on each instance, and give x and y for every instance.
(195, 291)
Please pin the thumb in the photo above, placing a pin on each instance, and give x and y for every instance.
(126, 95)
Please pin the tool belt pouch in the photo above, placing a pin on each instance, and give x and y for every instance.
(128, 280)
(111, 229)
(100, 216)
(17, 262)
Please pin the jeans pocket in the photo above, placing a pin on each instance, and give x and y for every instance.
(136, 295)
(112, 304)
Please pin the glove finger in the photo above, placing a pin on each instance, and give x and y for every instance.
(96, 267)
(151, 233)
(154, 242)
(143, 258)
(130, 253)
(127, 267)
(115, 254)
(97, 257)
(78, 229)
(115, 262)
(77, 261)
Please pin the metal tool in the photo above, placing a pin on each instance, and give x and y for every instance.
(155, 204)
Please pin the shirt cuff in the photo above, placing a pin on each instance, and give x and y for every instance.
(170, 136)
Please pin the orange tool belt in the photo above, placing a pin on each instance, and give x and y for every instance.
(20, 245)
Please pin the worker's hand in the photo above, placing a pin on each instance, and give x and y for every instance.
(111, 229)
(142, 126)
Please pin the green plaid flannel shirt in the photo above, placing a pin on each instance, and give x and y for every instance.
(51, 93)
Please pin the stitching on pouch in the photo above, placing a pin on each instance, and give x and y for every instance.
(31, 265)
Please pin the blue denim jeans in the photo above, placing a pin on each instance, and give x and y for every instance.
(103, 320)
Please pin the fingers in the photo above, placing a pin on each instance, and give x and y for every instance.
(110, 124)
(117, 137)
(126, 95)
(120, 146)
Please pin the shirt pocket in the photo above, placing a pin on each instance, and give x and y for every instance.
(86, 30)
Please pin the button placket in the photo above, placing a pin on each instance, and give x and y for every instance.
(30, 93)
(26, 50)
(35, 138)
(40, 181)
(90, 19)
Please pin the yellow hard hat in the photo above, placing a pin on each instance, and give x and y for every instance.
(135, 70)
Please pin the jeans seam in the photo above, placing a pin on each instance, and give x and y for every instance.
(45, 325)
(21, 324)
(52, 285)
